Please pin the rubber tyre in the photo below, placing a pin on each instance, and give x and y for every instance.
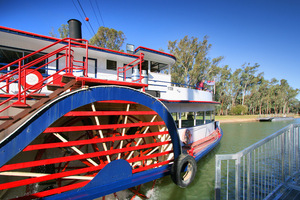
(183, 170)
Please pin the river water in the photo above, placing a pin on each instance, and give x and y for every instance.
(237, 136)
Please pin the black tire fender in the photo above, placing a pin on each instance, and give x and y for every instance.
(183, 170)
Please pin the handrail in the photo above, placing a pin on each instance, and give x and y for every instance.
(30, 64)
(124, 69)
(68, 44)
(42, 49)
(259, 171)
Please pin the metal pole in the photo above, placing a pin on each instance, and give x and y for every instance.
(296, 133)
(218, 178)
(282, 156)
(19, 83)
(237, 177)
(249, 175)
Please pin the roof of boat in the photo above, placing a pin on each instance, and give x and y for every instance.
(53, 39)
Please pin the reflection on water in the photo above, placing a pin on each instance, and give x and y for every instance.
(237, 136)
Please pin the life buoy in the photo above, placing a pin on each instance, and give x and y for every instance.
(183, 170)
(32, 80)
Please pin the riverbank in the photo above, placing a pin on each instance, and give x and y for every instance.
(240, 118)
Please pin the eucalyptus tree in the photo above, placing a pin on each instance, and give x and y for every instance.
(192, 63)
(247, 78)
(108, 38)
(274, 96)
(222, 88)
(264, 97)
(286, 95)
(235, 86)
(186, 52)
(63, 31)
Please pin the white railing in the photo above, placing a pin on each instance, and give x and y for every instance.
(261, 170)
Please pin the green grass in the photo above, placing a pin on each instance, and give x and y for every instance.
(229, 117)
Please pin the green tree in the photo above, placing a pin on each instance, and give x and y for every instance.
(63, 31)
(235, 86)
(192, 64)
(186, 52)
(222, 88)
(108, 38)
(287, 94)
(247, 79)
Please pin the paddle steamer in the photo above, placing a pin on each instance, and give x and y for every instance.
(81, 122)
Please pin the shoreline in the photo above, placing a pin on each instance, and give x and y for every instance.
(236, 120)
(243, 118)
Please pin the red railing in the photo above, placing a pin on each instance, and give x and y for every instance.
(18, 75)
(131, 65)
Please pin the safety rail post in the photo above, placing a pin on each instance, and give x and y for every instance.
(141, 61)
(87, 59)
(249, 177)
(70, 70)
(218, 177)
(282, 156)
(20, 79)
(290, 143)
(296, 133)
(7, 85)
(237, 177)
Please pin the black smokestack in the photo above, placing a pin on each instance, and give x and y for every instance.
(75, 29)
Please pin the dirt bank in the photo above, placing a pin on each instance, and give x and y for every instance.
(235, 120)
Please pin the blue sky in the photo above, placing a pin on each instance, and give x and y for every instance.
(266, 32)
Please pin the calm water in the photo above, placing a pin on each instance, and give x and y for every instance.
(237, 136)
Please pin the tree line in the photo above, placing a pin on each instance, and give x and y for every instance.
(240, 91)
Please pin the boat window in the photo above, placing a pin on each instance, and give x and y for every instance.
(187, 119)
(8, 55)
(145, 65)
(208, 117)
(111, 64)
(157, 67)
(200, 118)
(176, 118)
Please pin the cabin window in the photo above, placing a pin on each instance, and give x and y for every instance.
(8, 55)
(200, 118)
(111, 65)
(187, 119)
(208, 117)
(157, 67)
(176, 118)
(145, 65)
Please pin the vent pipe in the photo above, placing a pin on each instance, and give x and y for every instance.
(75, 29)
